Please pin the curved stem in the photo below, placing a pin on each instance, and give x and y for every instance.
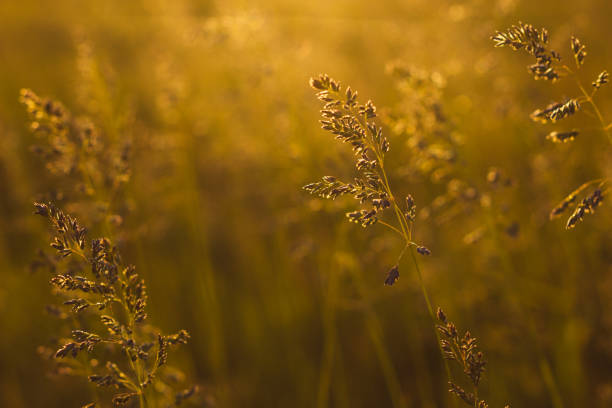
(407, 235)
(589, 98)
(391, 227)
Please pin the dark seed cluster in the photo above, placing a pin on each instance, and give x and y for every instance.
(602, 79)
(586, 206)
(548, 65)
(108, 283)
(463, 350)
(349, 121)
(562, 137)
(535, 42)
(556, 111)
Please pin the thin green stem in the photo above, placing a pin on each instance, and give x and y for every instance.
(375, 331)
(329, 350)
(545, 369)
(408, 238)
(407, 235)
(429, 307)
(331, 355)
(391, 227)
(589, 98)
(401, 255)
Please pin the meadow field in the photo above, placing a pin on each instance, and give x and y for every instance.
(305, 204)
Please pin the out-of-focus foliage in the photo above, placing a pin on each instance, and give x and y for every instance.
(208, 105)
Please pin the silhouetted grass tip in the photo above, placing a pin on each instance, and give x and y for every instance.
(464, 351)
(109, 295)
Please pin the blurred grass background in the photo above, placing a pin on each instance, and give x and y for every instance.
(283, 298)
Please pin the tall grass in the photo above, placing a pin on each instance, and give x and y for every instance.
(186, 130)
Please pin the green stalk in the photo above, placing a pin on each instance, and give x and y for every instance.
(544, 365)
(407, 235)
(589, 98)
(376, 335)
